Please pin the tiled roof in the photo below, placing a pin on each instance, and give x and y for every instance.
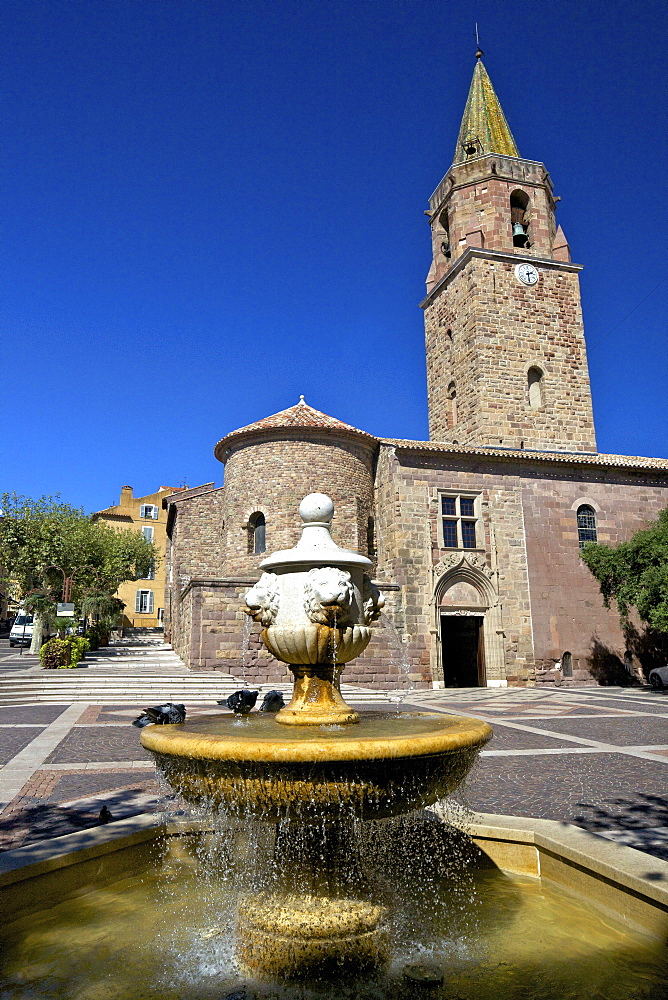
(300, 415)
(484, 120)
(527, 455)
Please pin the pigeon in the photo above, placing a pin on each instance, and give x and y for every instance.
(241, 702)
(273, 702)
(163, 715)
(105, 815)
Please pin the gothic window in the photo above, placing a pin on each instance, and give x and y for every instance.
(586, 525)
(519, 219)
(567, 664)
(257, 537)
(535, 387)
(460, 527)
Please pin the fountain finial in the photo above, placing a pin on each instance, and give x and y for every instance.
(316, 508)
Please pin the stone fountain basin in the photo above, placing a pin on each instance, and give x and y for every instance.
(389, 763)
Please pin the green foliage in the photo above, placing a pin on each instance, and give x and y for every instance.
(635, 574)
(102, 606)
(54, 653)
(61, 625)
(79, 646)
(38, 604)
(63, 651)
(42, 540)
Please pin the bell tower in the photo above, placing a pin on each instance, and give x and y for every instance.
(506, 356)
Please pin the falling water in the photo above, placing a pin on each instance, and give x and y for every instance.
(245, 645)
(335, 650)
(399, 648)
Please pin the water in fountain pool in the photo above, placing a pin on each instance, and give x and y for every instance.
(166, 933)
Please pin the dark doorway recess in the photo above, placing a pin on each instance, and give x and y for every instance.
(463, 650)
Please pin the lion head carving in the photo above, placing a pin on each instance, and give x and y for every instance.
(262, 600)
(328, 595)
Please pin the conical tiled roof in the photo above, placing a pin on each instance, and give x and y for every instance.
(484, 123)
(301, 415)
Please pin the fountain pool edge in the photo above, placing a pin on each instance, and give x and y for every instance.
(629, 884)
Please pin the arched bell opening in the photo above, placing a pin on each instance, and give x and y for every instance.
(519, 219)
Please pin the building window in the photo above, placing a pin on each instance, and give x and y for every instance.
(535, 387)
(144, 602)
(148, 533)
(257, 533)
(150, 574)
(149, 510)
(586, 525)
(460, 522)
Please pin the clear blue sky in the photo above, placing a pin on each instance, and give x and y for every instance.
(212, 207)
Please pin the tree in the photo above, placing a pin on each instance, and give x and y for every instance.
(635, 575)
(45, 543)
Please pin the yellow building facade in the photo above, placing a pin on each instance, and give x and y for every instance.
(144, 599)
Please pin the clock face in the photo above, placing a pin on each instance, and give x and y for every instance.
(527, 274)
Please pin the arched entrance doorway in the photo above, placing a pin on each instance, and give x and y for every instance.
(468, 623)
(462, 615)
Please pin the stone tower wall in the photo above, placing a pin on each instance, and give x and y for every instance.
(472, 204)
(498, 330)
(273, 476)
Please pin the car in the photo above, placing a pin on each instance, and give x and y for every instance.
(21, 631)
(658, 677)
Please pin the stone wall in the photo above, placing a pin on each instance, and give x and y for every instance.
(499, 329)
(547, 601)
(273, 477)
(567, 608)
(409, 488)
(195, 549)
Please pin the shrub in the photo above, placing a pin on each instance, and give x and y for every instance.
(55, 653)
(79, 646)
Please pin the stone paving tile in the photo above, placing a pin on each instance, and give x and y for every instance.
(599, 792)
(12, 741)
(623, 731)
(52, 803)
(644, 701)
(40, 714)
(516, 739)
(78, 784)
(90, 715)
(91, 743)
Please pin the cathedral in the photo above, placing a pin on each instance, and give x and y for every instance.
(475, 534)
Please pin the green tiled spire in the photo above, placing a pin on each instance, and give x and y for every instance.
(484, 124)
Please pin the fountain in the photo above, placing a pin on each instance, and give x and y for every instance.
(317, 768)
(302, 839)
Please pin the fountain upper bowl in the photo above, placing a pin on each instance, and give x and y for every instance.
(387, 764)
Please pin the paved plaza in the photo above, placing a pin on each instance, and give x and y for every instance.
(596, 757)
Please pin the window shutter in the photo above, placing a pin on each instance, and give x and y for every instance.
(138, 601)
(150, 601)
(142, 510)
(155, 513)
